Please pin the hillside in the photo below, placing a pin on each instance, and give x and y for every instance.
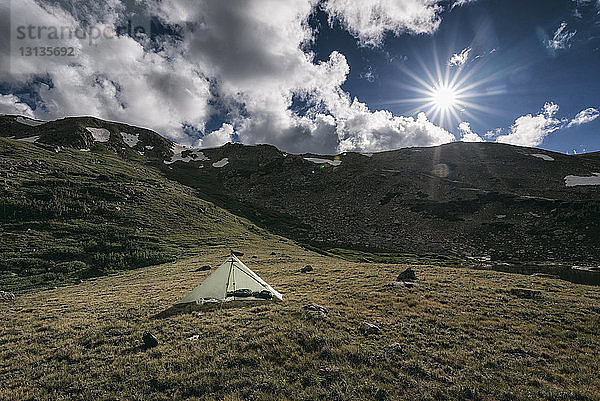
(489, 200)
(67, 215)
(459, 335)
(485, 203)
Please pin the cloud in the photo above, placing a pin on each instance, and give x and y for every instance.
(10, 104)
(244, 60)
(530, 130)
(467, 134)
(117, 79)
(459, 59)
(370, 20)
(584, 117)
(459, 3)
(217, 138)
(561, 38)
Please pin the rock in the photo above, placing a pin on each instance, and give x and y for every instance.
(393, 349)
(526, 293)
(316, 309)
(150, 341)
(203, 268)
(6, 296)
(369, 328)
(306, 269)
(407, 275)
(406, 284)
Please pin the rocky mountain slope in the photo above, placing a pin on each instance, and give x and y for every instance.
(466, 199)
(483, 200)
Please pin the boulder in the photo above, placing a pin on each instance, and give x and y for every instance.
(407, 275)
(306, 269)
(526, 293)
(272, 254)
(369, 328)
(150, 341)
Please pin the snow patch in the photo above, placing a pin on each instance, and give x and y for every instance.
(99, 134)
(367, 154)
(30, 139)
(323, 161)
(29, 121)
(84, 150)
(191, 154)
(130, 139)
(574, 180)
(543, 156)
(221, 163)
(149, 147)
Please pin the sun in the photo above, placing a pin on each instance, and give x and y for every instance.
(444, 98)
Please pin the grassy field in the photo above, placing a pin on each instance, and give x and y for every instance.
(459, 335)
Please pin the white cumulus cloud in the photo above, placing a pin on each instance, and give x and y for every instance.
(370, 20)
(245, 60)
(530, 130)
(584, 117)
(467, 134)
(217, 138)
(10, 104)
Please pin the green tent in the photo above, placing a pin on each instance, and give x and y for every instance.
(232, 281)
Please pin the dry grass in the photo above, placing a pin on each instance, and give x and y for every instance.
(461, 335)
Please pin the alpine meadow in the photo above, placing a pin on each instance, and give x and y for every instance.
(299, 200)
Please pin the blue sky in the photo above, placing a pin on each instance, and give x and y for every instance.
(323, 76)
(511, 59)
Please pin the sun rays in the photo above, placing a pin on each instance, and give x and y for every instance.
(447, 95)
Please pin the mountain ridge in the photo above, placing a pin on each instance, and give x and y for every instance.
(488, 200)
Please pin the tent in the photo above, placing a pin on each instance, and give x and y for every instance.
(232, 281)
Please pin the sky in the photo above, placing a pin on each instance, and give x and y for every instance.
(324, 76)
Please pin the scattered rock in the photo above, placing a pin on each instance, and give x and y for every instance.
(407, 275)
(150, 341)
(203, 268)
(369, 328)
(316, 309)
(306, 269)
(6, 296)
(526, 293)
